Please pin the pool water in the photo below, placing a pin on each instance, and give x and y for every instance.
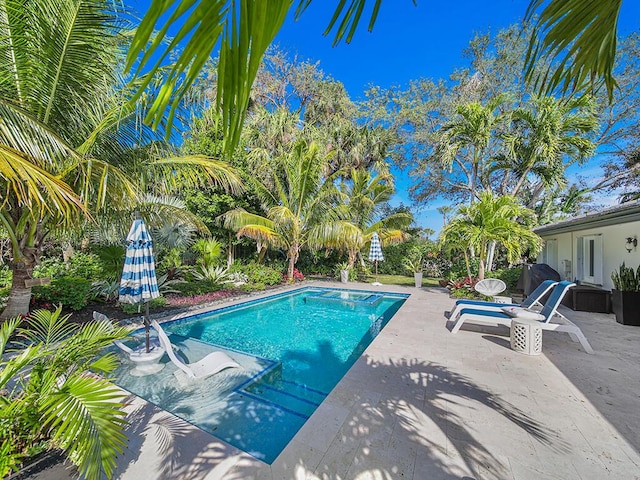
(293, 349)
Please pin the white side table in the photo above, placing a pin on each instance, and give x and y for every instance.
(502, 299)
(526, 336)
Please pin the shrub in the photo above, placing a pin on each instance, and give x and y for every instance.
(297, 276)
(252, 287)
(71, 292)
(81, 265)
(4, 296)
(260, 273)
(463, 288)
(176, 301)
(106, 290)
(132, 308)
(189, 289)
(509, 276)
(6, 276)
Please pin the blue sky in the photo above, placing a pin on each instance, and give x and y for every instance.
(408, 42)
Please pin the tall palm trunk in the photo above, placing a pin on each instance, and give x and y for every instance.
(20, 296)
(293, 259)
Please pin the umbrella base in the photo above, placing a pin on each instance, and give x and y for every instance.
(377, 284)
(146, 363)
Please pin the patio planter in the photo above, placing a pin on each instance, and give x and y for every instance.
(626, 306)
(344, 276)
(417, 277)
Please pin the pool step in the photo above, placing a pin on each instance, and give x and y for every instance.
(288, 396)
(344, 298)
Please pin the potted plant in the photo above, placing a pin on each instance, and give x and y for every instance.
(625, 296)
(345, 270)
(414, 264)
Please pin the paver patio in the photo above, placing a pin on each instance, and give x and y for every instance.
(425, 404)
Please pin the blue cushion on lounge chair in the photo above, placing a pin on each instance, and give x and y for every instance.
(486, 313)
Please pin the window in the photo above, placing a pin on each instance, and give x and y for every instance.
(589, 253)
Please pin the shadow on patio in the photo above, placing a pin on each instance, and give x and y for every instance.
(393, 421)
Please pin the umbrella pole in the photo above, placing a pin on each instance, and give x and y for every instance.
(146, 324)
(376, 271)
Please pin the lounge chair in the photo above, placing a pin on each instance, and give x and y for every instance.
(531, 301)
(209, 365)
(551, 318)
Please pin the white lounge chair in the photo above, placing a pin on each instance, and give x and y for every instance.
(533, 300)
(552, 320)
(209, 365)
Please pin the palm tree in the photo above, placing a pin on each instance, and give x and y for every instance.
(581, 34)
(544, 136)
(68, 115)
(493, 219)
(445, 211)
(464, 141)
(363, 195)
(58, 400)
(298, 202)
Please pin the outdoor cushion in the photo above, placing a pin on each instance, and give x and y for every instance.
(517, 312)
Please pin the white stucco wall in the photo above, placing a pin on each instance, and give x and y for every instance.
(613, 249)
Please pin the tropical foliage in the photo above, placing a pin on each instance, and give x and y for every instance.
(73, 136)
(47, 395)
(299, 203)
(493, 219)
(362, 196)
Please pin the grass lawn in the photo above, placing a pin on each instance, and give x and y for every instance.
(403, 280)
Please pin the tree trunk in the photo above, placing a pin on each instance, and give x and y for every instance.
(230, 251)
(466, 261)
(20, 296)
(491, 255)
(481, 269)
(292, 265)
(293, 259)
(353, 256)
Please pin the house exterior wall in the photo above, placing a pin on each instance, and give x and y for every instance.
(613, 253)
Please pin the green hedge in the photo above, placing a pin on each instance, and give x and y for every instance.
(71, 292)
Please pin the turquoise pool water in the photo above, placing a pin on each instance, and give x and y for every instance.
(294, 348)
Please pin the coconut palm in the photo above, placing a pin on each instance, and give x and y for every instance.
(493, 219)
(66, 112)
(298, 202)
(363, 195)
(59, 401)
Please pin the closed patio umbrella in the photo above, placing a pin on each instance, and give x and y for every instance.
(138, 283)
(375, 254)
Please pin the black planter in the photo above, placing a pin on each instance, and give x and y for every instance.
(626, 306)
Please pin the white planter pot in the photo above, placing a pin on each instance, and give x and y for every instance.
(344, 276)
(417, 276)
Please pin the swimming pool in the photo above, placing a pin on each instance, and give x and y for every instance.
(293, 347)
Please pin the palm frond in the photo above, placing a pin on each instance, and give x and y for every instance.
(580, 36)
(85, 419)
(48, 328)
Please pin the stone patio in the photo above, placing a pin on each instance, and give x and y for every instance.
(425, 404)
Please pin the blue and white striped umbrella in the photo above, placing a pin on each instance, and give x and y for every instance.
(375, 251)
(138, 283)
